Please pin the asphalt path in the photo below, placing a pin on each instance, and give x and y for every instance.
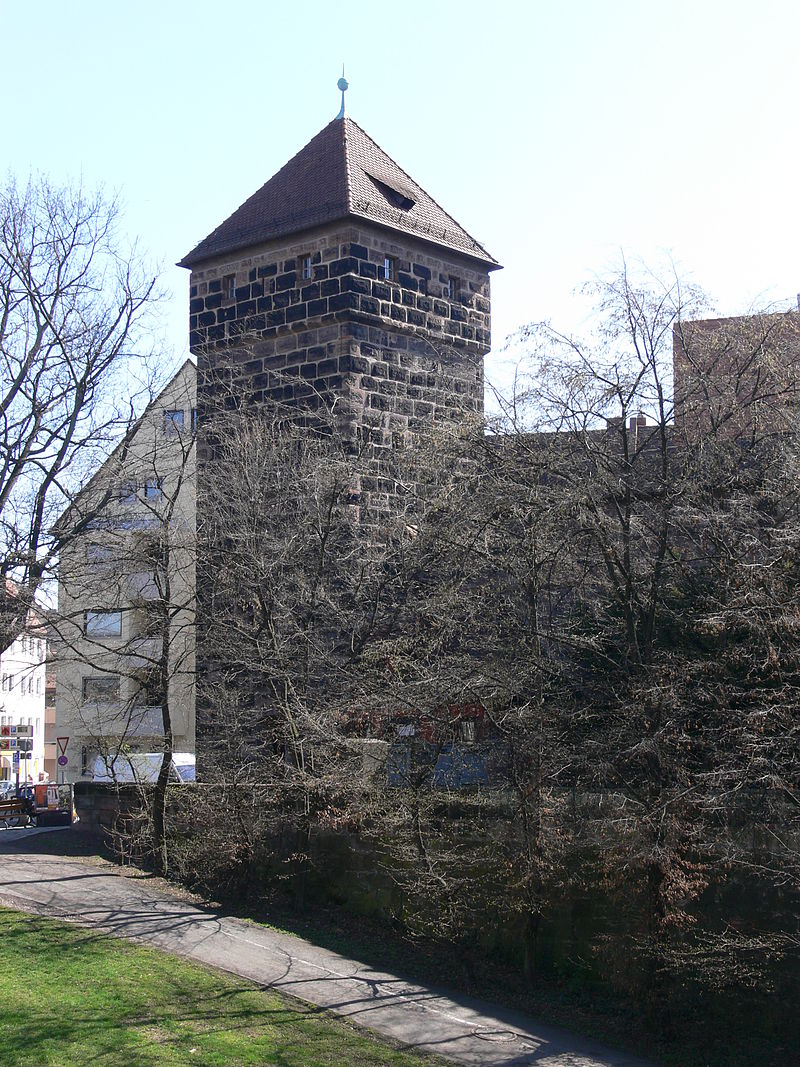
(456, 1027)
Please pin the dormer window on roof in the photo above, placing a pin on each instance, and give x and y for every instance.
(395, 194)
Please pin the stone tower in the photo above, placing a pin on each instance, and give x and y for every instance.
(342, 276)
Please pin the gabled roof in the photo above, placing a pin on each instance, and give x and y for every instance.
(123, 443)
(340, 173)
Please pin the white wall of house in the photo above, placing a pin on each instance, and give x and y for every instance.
(22, 693)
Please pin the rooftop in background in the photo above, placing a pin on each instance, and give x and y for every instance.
(340, 173)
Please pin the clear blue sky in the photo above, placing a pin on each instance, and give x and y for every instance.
(557, 133)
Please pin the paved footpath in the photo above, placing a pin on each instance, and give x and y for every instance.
(453, 1026)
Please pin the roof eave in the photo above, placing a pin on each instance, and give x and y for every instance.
(482, 256)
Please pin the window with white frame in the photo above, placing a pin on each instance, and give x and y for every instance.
(103, 623)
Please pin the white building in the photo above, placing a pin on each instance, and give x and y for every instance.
(22, 696)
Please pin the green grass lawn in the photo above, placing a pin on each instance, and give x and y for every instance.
(69, 995)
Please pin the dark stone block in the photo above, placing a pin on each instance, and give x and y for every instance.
(317, 307)
(407, 281)
(213, 301)
(328, 367)
(296, 312)
(416, 318)
(329, 288)
(354, 284)
(193, 322)
(381, 291)
(255, 366)
(316, 257)
(370, 305)
(358, 331)
(348, 265)
(264, 303)
(195, 338)
(196, 305)
(216, 333)
(320, 272)
(398, 313)
(409, 300)
(343, 302)
(242, 293)
(368, 270)
(256, 289)
(359, 251)
(227, 314)
(286, 281)
(458, 313)
(281, 300)
(247, 308)
(308, 370)
(208, 318)
(310, 292)
(276, 318)
(256, 323)
(441, 308)
(421, 272)
(252, 275)
(379, 370)
(215, 286)
(289, 264)
(193, 291)
(268, 270)
(423, 303)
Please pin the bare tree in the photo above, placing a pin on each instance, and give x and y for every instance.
(74, 301)
(677, 502)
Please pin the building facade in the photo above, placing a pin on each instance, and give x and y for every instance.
(124, 645)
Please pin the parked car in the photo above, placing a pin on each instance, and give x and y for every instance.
(7, 789)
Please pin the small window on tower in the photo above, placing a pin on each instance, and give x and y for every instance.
(451, 289)
(305, 267)
(229, 286)
(389, 268)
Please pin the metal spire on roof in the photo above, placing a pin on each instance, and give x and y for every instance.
(342, 84)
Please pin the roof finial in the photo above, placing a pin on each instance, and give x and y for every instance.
(342, 84)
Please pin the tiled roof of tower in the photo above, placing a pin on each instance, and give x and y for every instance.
(340, 173)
